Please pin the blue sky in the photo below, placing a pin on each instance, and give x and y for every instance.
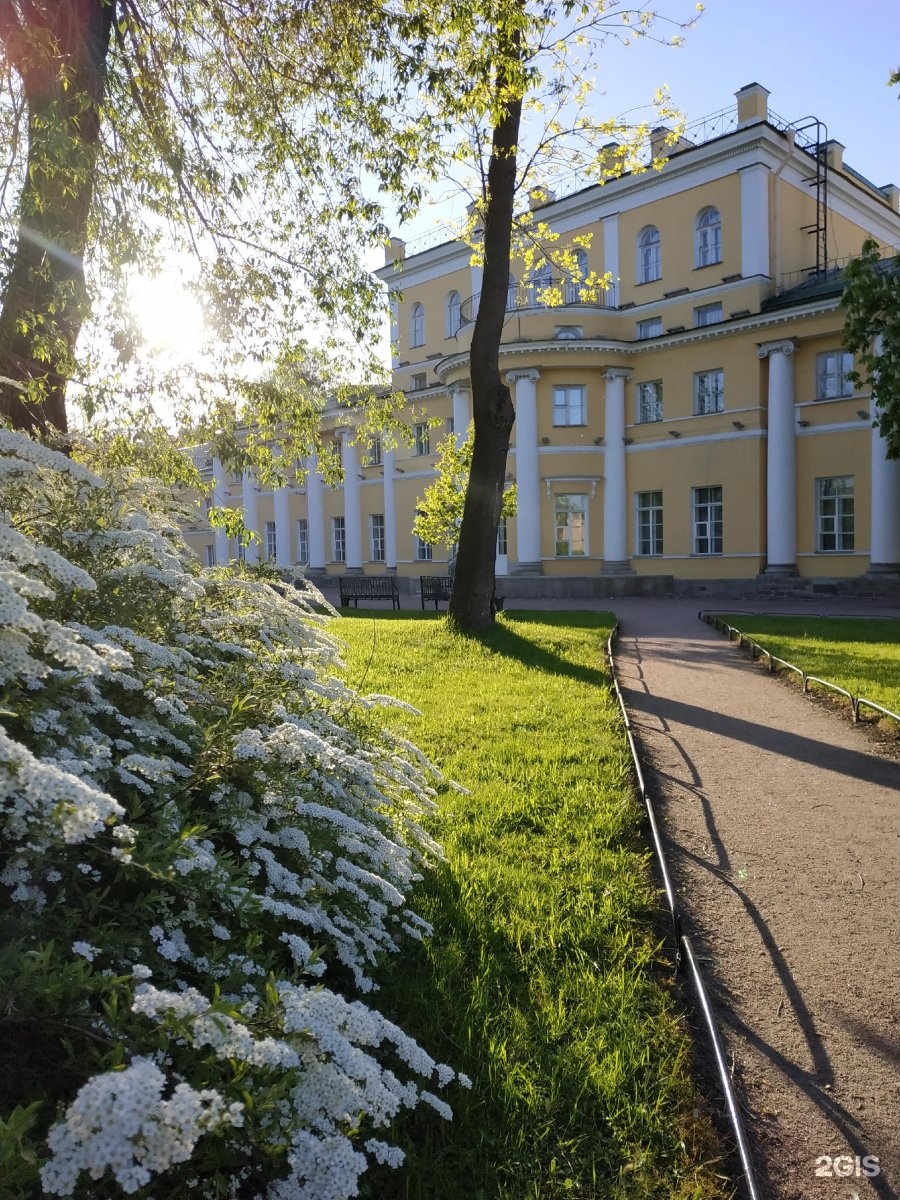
(824, 58)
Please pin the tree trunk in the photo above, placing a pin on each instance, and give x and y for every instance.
(492, 409)
(60, 58)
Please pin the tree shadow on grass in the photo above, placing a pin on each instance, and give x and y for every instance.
(505, 640)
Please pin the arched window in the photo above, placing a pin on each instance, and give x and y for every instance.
(541, 280)
(452, 315)
(649, 258)
(708, 240)
(417, 326)
(574, 290)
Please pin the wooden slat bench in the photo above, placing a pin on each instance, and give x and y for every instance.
(436, 588)
(354, 588)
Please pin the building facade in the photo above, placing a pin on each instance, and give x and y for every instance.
(695, 420)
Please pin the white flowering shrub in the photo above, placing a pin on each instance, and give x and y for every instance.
(206, 850)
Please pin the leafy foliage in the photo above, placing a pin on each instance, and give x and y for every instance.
(207, 847)
(440, 512)
(872, 334)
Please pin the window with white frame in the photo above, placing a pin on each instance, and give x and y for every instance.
(649, 401)
(574, 291)
(707, 314)
(417, 325)
(271, 542)
(649, 522)
(709, 392)
(833, 374)
(375, 454)
(541, 280)
(423, 550)
(418, 381)
(834, 513)
(569, 406)
(502, 543)
(209, 555)
(707, 520)
(421, 439)
(338, 540)
(512, 293)
(376, 536)
(708, 239)
(452, 315)
(571, 524)
(650, 328)
(302, 540)
(451, 425)
(649, 255)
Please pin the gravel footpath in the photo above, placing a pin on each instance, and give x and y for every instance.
(782, 825)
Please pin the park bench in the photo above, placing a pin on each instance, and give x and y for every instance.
(368, 587)
(436, 588)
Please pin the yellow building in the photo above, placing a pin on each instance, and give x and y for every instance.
(694, 423)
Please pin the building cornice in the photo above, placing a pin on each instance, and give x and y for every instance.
(595, 346)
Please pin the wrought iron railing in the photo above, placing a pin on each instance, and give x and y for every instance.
(541, 295)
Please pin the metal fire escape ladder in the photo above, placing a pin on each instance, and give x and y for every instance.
(812, 136)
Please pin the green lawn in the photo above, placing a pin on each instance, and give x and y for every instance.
(859, 654)
(545, 980)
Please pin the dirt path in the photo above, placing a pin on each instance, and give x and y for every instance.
(782, 824)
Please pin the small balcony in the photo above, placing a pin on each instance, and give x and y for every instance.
(544, 295)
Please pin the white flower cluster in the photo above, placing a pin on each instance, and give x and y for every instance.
(186, 796)
(119, 1122)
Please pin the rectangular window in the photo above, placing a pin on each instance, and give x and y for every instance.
(338, 540)
(707, 314)
(833, 374)
(421, 440)
(417, 382)
(649, 523)
(374, 457)
(271, 543)
(571, 525)
(209, 555)
(650, 328)
(423, 550)
(707, 520)
(451, 425)
(834, 513)
(376, 536)
(649, 402)
(501, 539)
(303, 540)
(569, 406)
(709, 392)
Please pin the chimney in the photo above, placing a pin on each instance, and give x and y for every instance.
(752, 104)
(539, 196)
(891, 193)
(663, 143)
(834, 155)
(394, 251)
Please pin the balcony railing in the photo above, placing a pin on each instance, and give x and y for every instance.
(541, 296)
(832, 272)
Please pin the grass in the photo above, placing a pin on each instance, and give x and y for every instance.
(545, 979)
(859, 654)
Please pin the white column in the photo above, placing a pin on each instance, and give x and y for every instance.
(284, 551)
(461, 413)
(476, 276)
(611, 248)
(352, 532)
(528, 509)
(390, 512)
(315, 514)
(395, 331)
(615, 503)
(220, 500)
(251, 516)
(884, 539)
(781, 461)
(754, 220)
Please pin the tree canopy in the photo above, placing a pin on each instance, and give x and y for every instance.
(872, 334)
